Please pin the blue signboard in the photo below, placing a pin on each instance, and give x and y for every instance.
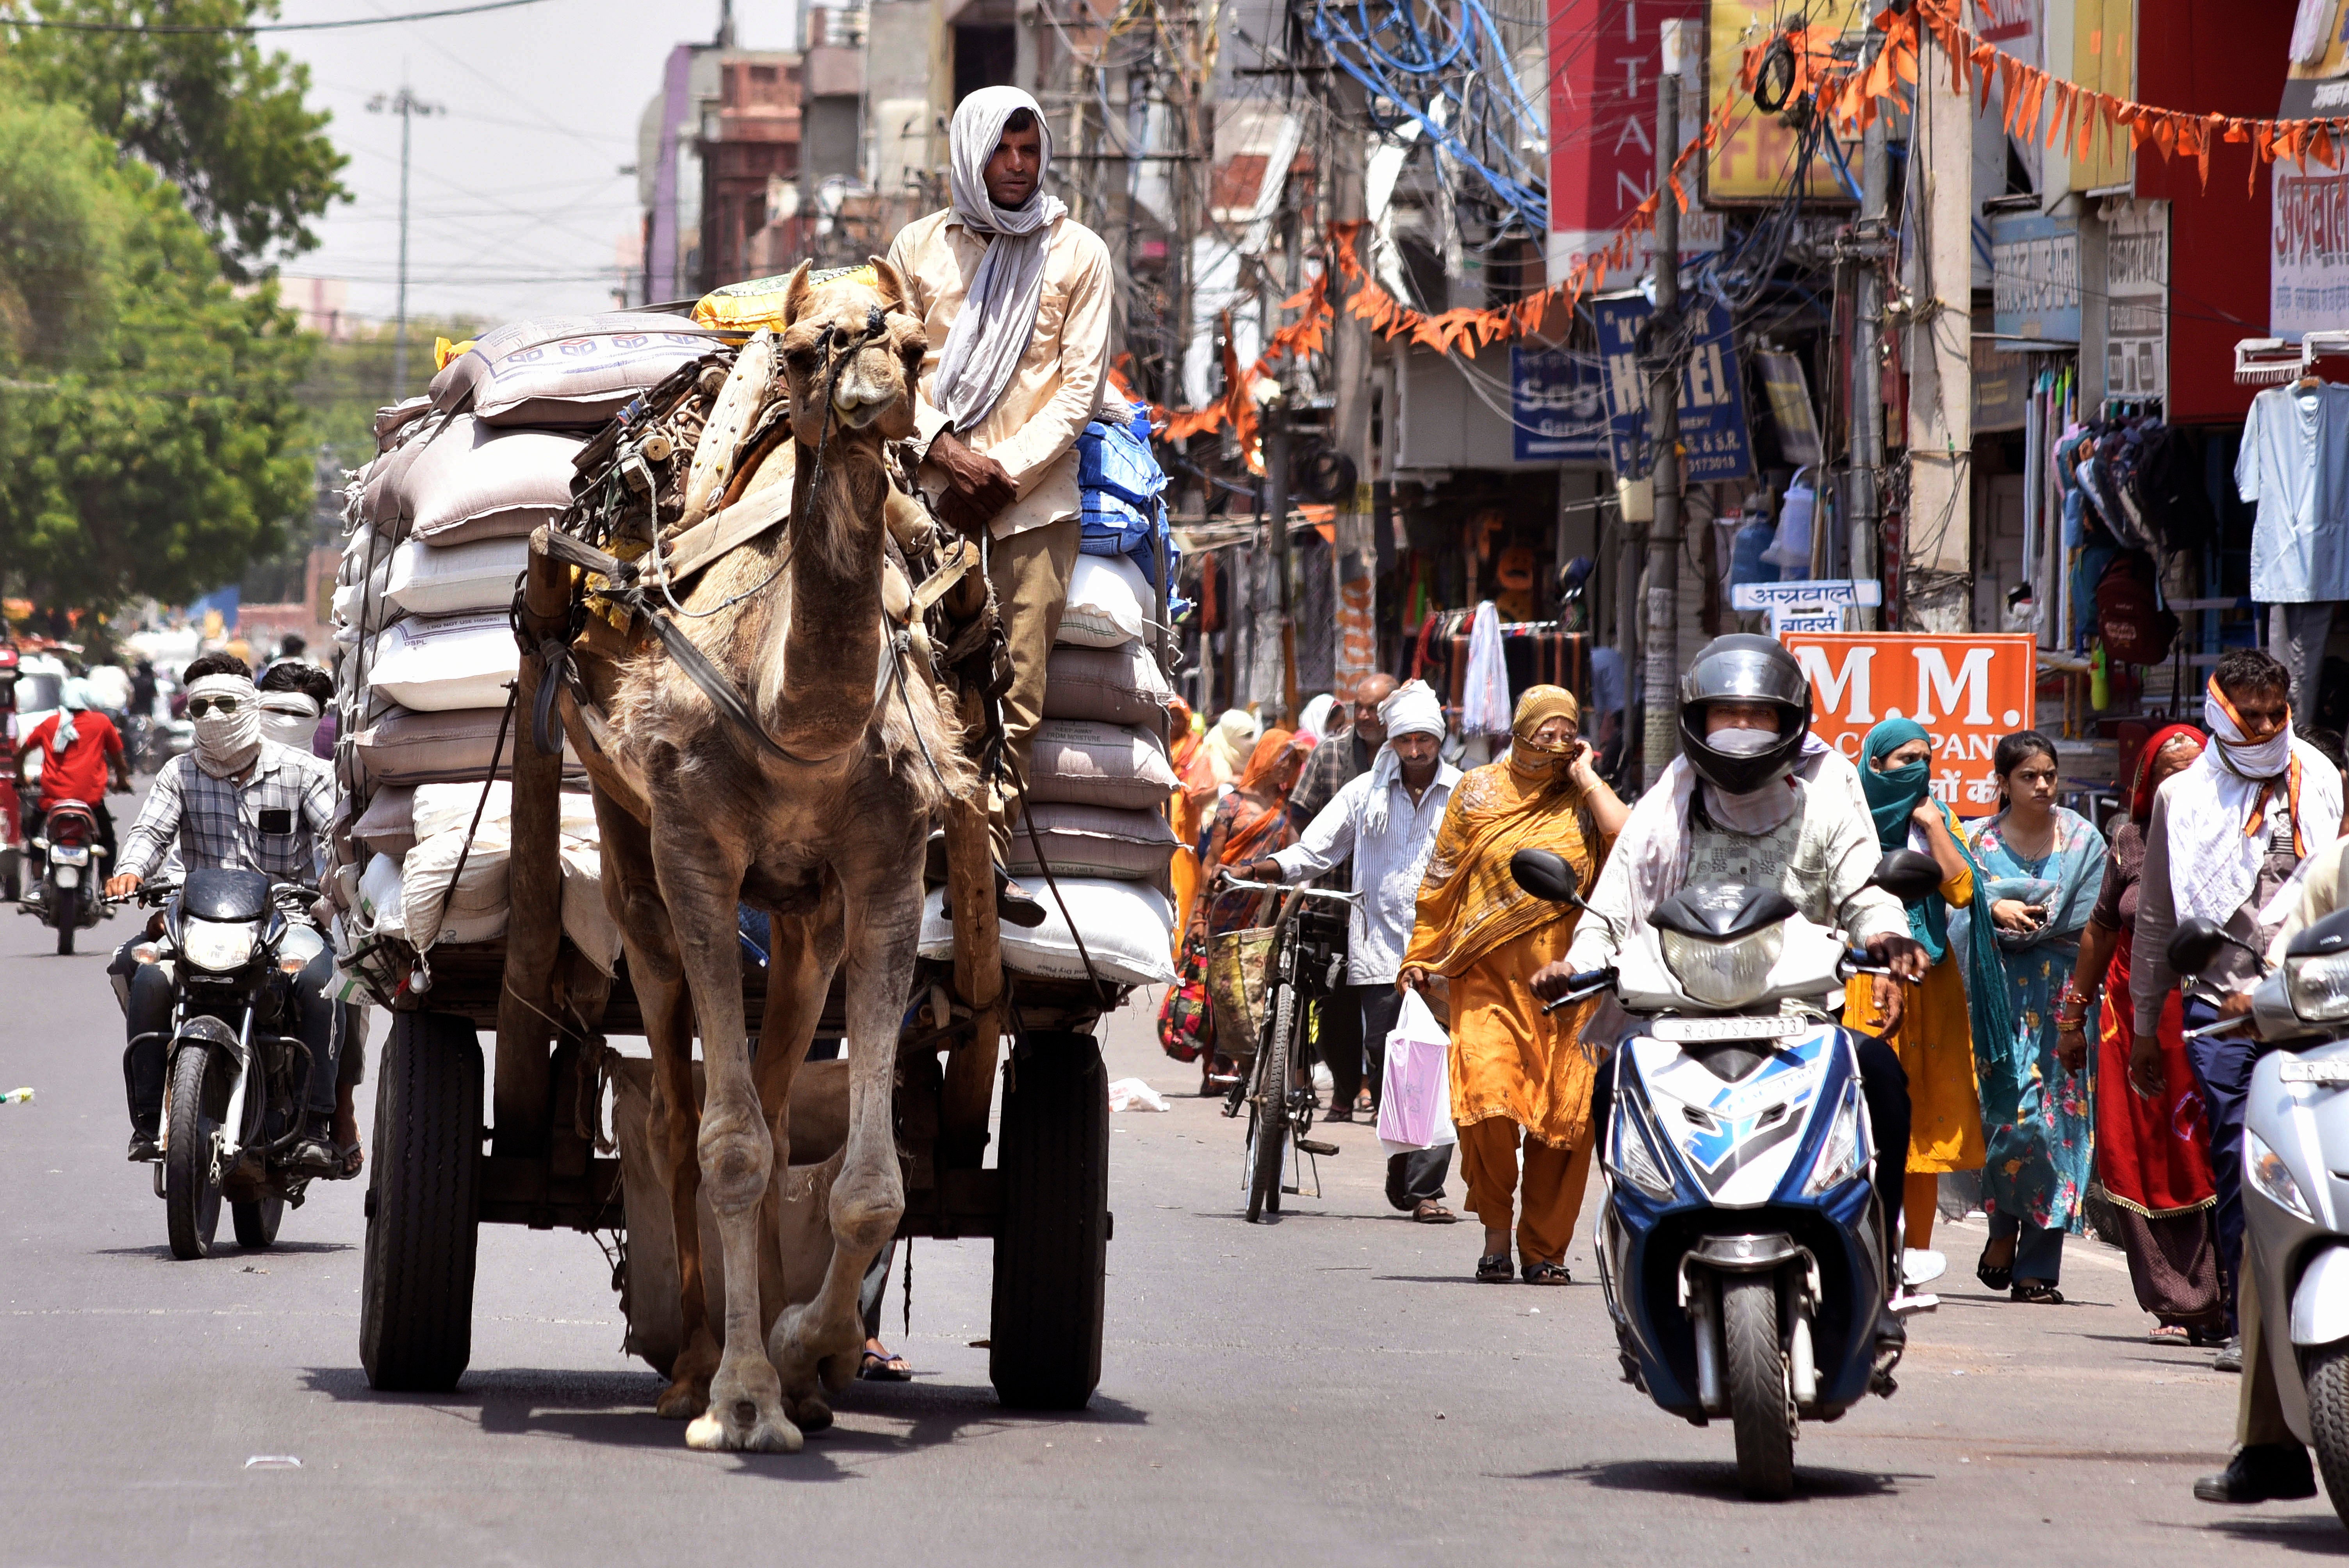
(1557, 407)
(1712, 397)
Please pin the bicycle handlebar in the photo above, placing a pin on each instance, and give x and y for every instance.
(1243, 885)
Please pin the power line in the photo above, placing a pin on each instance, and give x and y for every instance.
(63, 26)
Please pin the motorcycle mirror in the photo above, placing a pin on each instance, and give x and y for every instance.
(1546, 876)
(1908, 875)
(2194, 945)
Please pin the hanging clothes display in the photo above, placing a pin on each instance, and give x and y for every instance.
(2294, 467)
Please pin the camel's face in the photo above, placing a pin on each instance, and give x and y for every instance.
(855, 347)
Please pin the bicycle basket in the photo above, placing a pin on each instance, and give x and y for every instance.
(1237, 962)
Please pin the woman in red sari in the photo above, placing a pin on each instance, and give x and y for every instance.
(2153, 1156)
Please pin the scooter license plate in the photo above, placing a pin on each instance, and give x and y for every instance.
(65, 876)
(1687, 1031)
(2335, 1072)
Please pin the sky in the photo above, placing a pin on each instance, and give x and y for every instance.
(516, 203)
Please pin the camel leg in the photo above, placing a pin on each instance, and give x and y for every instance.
(802, 951)
(655, 971)
(819, 1340)
(699, 881)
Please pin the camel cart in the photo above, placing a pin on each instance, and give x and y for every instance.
(442, 1169)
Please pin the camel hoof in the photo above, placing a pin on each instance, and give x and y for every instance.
(810, 1415)
(749, 1433)
(682, 1401)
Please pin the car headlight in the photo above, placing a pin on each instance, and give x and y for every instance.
(1725, 973)
(214, 944)
(2319, 987)
(1839, 1157)
(1635, 1158)
(2263, 1168)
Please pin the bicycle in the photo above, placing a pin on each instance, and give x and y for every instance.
(1307, 962)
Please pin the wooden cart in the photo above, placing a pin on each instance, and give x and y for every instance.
(440, 1172)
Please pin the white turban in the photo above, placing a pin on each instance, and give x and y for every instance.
(1412, 708)
(998, 319)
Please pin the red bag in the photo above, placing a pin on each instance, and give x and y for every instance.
(1186, 1027)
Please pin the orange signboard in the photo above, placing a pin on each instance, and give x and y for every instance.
(1967, 692)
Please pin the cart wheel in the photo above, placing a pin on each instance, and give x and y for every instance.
(1052, 1243)
(416, 1300)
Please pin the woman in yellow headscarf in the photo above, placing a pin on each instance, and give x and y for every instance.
(1514, 1069)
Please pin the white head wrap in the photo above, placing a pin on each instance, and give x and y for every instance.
(76, 700)
(2220, 809)
(1411, 708)
(1315, 720)
(1228, 742)
(289, 718)
(998, 319)
(226, 743)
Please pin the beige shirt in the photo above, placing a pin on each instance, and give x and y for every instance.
(1060, 381)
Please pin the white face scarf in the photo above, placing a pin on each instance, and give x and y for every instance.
(998, 319)
(289, 718)
(1764, 808)
(2217, 812)
(226, 743)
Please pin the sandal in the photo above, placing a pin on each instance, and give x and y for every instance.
(354, 1160)
(1547, 1274)
(1999, 1277)
(1337, 1113)
(877, 1368)
(1431, 1212)
(2170, 1334)
(1494, 1269)
(2039, 1293)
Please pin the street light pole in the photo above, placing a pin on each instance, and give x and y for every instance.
(407, 106)
(1661, 739)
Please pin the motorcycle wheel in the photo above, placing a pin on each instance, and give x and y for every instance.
(191, 1194)
(65, 913)
(2328, 1421)
(1268, 1115)
(256, 1221)
(1761, 1402)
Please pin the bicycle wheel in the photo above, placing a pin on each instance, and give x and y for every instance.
(1268, 1114)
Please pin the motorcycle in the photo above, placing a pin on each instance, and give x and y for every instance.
(1741, 1245)
(234, 1072)
(2296, 1199)
(67, 897)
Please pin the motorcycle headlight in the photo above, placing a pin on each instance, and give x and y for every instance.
(1635, 1158)
(1839, 1157)
(2263, 1168)
(2319, 987)
(1725, 973)
(217, 945)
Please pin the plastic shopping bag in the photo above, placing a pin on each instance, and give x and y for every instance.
(1415, 1101)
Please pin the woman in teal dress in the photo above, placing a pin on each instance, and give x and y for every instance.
(2043, 865)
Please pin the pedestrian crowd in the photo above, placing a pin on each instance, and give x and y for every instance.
(2033, 1036)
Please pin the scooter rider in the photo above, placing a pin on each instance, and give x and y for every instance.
(238, 801)
(1733, 808)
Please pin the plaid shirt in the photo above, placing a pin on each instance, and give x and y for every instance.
(1328, 767)
(217, 823)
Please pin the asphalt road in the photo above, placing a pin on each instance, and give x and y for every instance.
(1330, 1389)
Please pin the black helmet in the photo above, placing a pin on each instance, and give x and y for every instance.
(1743, 668)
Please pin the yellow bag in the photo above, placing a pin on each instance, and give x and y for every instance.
(1238, 964)
(748, 306)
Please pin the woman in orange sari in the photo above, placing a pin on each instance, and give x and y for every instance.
(1186, 808)
(1251, 823)
(1514, 1072)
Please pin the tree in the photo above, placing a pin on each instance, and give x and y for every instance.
(151, 441)
(211, 111)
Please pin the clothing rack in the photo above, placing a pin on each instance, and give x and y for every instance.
(1548, 654)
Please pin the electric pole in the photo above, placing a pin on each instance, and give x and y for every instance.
(407, 106)
(1662, 726)
(1867, 246)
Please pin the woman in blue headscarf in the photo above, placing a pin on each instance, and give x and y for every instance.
(1933, 1037)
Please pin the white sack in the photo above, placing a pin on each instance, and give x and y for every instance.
(1110, 603)
(1128, 929)
(435, 579)
(476, 911)
(568, 370)
(472, 482)
(1082, 762)
(1114, 685)
(440, 664)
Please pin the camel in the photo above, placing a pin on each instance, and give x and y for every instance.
(823, 827)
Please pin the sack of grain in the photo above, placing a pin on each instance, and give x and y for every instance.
(1082, 762)
(472, 480)
(1110, 603)
(477, 910)
(439, 663)
(1128, 930)
(387, 826)
(435, 579)
(568, 371)
(1093, 842)
(1114, 685)
(399, 746)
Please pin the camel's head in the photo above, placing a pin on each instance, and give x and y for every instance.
(851, 342)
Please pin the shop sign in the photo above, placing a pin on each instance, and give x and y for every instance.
(1967, 692)
(1557, 406)
(2035, 277)
(1603, 58)
(1757, 159)
(1715, 442)
(1789, 391)
(2136, 301)
(2308, 265)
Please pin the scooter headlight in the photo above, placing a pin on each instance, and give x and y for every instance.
(1634, 1158)
(217, 945)
(1840, 1157)
(2264, 1169)
(2319, 987)
(1725, 973)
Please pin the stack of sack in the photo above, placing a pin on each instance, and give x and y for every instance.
(441, 524)
(1098, 776)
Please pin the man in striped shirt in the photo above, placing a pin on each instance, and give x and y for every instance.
(239, 803)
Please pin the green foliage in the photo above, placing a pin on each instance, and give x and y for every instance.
(220, 117)
(151, 440)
